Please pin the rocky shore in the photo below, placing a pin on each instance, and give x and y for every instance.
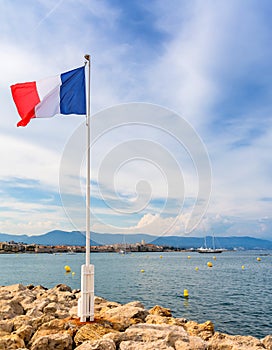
(37, 318)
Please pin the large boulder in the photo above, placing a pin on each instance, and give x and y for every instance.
(102, 305)
(52, 327)
(156, 319)
(6, 326)
(13, 288)
(60, 341)
(11, 341)
(160, 311)
(25, 332)
(204, 330)
(195, 343)
(10, 309)
(155, 345)
(148, 333)
(92, 331)
(221, 341)
(267, 342)
(125, 315)
(101, 344)
(51, 308)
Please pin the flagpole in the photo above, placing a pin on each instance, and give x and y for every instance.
(88, 165)
(86, 300)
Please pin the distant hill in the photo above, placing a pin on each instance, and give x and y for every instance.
(58, 237)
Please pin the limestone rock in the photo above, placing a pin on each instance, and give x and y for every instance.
(124, 316)
(160, 311)
(27, 302)
(61, 314)
(5, 295)
(267, 341)
(39, 321)
(136, 304)
(221, 341)
(99, 300)
(50, 308)
(115, 336)
(62, 288)
(20, 321)
(52, 327)
(39, 289)
(66, 296)
(102, 344)
(25, 297)
(156, 319)
(11, 341)
(25, 332)
(156, 345)
(55, 341)
(151, 332)
(195, 343)
(92, 331)
(101, 305)
(10, 309)
(73, 312)
(2, 333)
(203, 330)
(13, 288)
(6, 326)
(34, 313)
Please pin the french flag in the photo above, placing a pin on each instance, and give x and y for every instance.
(62, 94)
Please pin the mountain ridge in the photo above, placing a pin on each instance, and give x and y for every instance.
(76, 238)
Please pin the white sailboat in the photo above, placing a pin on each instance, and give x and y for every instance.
(124, 249)
(206, 249)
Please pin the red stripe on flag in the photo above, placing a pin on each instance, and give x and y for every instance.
(26, 97)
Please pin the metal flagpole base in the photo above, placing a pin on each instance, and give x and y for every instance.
(86, 301)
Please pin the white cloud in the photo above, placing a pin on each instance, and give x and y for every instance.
(28, 160)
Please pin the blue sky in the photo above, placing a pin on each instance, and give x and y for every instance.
(207, 61)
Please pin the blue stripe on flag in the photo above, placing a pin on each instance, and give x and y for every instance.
(72, 92)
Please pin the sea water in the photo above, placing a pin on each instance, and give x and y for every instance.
(236, 300)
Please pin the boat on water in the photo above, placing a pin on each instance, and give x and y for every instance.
(124, 250)
(71, 252)
(209, 250)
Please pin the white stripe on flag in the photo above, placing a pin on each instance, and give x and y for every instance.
(49, 93)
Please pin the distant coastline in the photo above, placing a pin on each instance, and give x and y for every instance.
(21, 248)
(59, 238)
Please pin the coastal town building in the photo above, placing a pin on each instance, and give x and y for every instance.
(15, 247)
